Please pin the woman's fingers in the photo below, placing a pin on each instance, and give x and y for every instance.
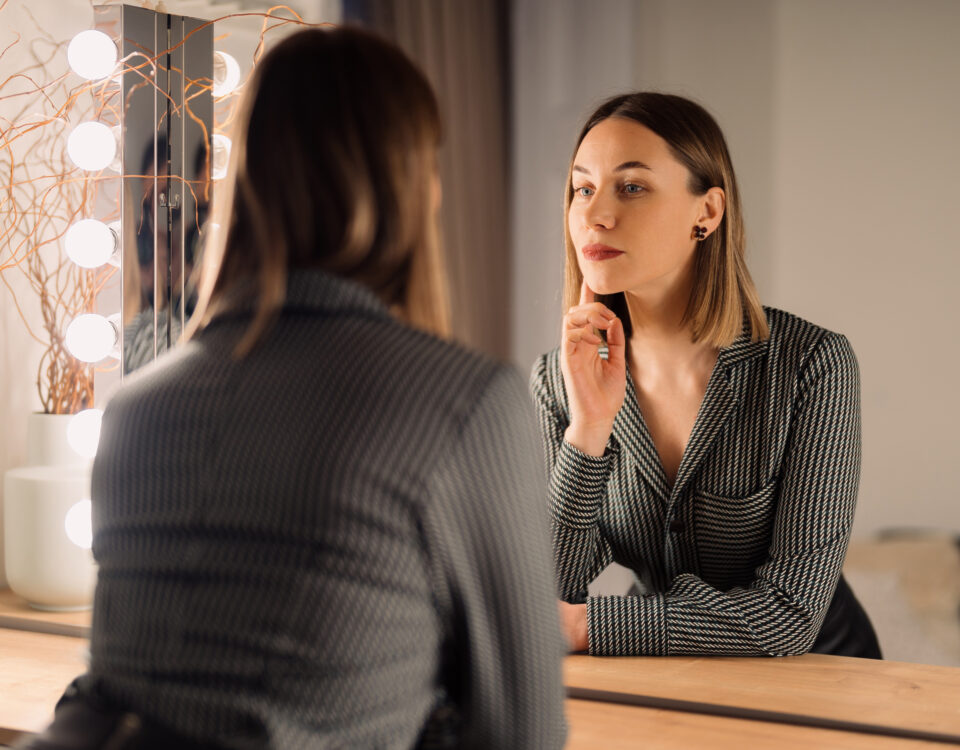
(616, 345)
(586, 293)
(595, 314)
(583, 334)
(586, 317)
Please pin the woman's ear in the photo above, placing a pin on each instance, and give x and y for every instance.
(712, 205)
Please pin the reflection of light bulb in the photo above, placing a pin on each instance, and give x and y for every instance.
(79, 525)
(221, 155)
(226, 73)
(90, 243)
(91, 337)
(92, 146)
(115, 228)
(92, 54)
(83, 432)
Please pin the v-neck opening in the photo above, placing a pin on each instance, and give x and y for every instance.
(666, 488)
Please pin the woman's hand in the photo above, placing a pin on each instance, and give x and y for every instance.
(595, 386)
(573, 621)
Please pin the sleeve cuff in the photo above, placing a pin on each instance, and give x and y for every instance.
(577, 486)
(627, 625)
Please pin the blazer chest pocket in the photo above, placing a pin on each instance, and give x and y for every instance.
(733, 535)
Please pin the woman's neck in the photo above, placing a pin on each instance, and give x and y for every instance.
(661, 338)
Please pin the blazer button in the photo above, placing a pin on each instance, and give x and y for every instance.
(677, 526)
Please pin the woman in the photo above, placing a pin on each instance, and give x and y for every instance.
(315, 521)
(707, 443)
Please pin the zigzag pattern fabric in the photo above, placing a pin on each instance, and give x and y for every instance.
(741, 556)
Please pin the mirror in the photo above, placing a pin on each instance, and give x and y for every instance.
(166, 123)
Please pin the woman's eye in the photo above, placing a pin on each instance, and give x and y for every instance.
(583, 192)
(632, 189)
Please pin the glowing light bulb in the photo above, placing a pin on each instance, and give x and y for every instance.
(92, 54)
(90, 243)
(91, 337)
(221, 156)
(83, 432)
(226, 73)
(92, 146)
(78, 523)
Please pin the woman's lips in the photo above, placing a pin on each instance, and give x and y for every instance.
(600, 252)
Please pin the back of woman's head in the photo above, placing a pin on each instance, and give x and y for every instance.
(333, 167)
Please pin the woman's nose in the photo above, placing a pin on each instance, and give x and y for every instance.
(600, 214)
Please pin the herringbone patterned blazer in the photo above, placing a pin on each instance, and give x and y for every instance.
(743, 553)
(328, 542)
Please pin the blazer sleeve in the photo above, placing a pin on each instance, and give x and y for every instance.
(489, 534)
(781, 611)
(576, 488)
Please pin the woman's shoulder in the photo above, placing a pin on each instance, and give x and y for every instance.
(798, 340)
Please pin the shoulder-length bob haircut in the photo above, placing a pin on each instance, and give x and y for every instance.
(333, 166)
(724, 298)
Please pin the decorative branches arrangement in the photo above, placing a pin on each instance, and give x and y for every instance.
(42, 193)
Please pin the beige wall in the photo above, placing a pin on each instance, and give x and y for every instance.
(842, 122)
(866, 229)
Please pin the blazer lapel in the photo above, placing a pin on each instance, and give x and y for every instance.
(716, 408)
(718, 404)
(631, 432)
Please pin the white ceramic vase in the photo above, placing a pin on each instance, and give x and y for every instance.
(46, 521)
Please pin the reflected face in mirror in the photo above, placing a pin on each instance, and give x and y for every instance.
(631, 214)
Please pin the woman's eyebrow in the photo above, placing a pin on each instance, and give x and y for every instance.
(618, 168)
(631, 165)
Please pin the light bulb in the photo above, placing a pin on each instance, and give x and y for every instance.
(92, 146)
(92, 54)
(226, 73)
(78, 523)
(90, 243)
(91, 337)
(83, 432)
(221, 156)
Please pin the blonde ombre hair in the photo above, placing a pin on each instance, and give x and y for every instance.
(333, 166)
(724, 298)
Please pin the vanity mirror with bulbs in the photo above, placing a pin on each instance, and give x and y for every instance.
(148, 155)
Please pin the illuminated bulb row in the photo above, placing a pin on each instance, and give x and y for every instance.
(92, 145)
(83, 435)
(226, 78)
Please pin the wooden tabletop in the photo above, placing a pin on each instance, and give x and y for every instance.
(610, 726)
(36, 667)
(914, 697)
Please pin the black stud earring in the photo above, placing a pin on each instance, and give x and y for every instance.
(700, 233)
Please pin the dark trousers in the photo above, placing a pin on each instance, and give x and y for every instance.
(847, 630)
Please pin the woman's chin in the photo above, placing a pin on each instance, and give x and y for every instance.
(604, 286)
